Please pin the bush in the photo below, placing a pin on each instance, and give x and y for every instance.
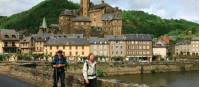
(100, 73)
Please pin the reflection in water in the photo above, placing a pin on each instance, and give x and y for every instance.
(169, 79)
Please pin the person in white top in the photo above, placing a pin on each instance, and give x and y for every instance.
(89, 71)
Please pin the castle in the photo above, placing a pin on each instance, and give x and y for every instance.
(91, 20)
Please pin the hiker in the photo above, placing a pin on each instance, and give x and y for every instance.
(59, 62)
(89, 71)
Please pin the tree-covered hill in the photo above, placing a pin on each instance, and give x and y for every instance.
(31, 20)
(141, 22)
(134, 21)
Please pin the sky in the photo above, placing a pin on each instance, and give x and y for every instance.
(176, 9)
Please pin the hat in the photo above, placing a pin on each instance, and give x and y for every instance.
(60, 51)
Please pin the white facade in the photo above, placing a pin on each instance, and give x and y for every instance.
(161, 51)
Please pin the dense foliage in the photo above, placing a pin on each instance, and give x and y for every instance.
(134, 21)
(31, 20)
(141, 22)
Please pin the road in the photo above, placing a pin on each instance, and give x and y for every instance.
(6, 81)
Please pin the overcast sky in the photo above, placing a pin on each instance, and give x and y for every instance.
(185, 9)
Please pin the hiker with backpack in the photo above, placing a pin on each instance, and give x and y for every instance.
(89, 71)
(59, 62)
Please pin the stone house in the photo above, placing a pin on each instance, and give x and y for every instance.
(75, 49)
(100, 48)
(9, 41)
(139, 47)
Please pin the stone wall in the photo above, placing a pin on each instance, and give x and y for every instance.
(43, 78)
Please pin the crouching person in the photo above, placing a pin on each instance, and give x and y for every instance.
(59, 62)
(89, 71)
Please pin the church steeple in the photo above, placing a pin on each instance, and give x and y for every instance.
(44, 24)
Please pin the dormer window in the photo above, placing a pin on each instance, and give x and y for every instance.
(13, 36)
(6, 36)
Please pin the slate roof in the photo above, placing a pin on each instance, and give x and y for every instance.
(68, 12)
(138, 37)
(96, 40)
(195, 39)
(100, 6)
(183, 42)
(26, 39)
(111, 16)
(115, 38)
(9, 34)
(81, 19)
(67, 41)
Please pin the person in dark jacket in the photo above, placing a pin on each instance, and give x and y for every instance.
(59, 62)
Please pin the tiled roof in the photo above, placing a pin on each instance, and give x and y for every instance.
(81, 19)
(138, 37)
(110, 16)
(69, 12)
(183, 42)
(96, 40)
(100, 6)
(112, 37)
(67, 41)
(195, 39)
(26, 39)
(9, 34)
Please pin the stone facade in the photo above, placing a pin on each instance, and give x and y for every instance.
(117, 46)
(139, 47)
(27, 45)
(102, 17)
(187, 47)
(100, 48)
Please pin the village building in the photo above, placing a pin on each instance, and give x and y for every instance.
(9, 41)
(100, 48)
(139, 47)
(26, 45)
(117, 46)
(195, 46)
(75, 49)
(159, 53)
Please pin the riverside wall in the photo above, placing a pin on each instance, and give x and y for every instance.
(42, 76)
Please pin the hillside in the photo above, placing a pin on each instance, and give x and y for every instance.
(141, 22)
(31, 19)
(134, 21)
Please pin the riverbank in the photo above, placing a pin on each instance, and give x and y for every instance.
(169, 79)
(124, 69)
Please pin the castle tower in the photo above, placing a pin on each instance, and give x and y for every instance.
(85, 6)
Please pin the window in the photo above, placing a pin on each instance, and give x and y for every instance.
(6, 36)
(76, 47)
(13, 43)
(83, 47)
(6, 43)
(82, 53)
(13, 36)
(50, 47)
(70, 53)
(63, 47)
(70, 47)
(76, 53)
(57, 47)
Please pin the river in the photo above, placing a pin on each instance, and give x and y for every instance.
(169, 79)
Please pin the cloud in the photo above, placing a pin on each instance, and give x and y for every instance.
(9, 7)
(185, 9)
